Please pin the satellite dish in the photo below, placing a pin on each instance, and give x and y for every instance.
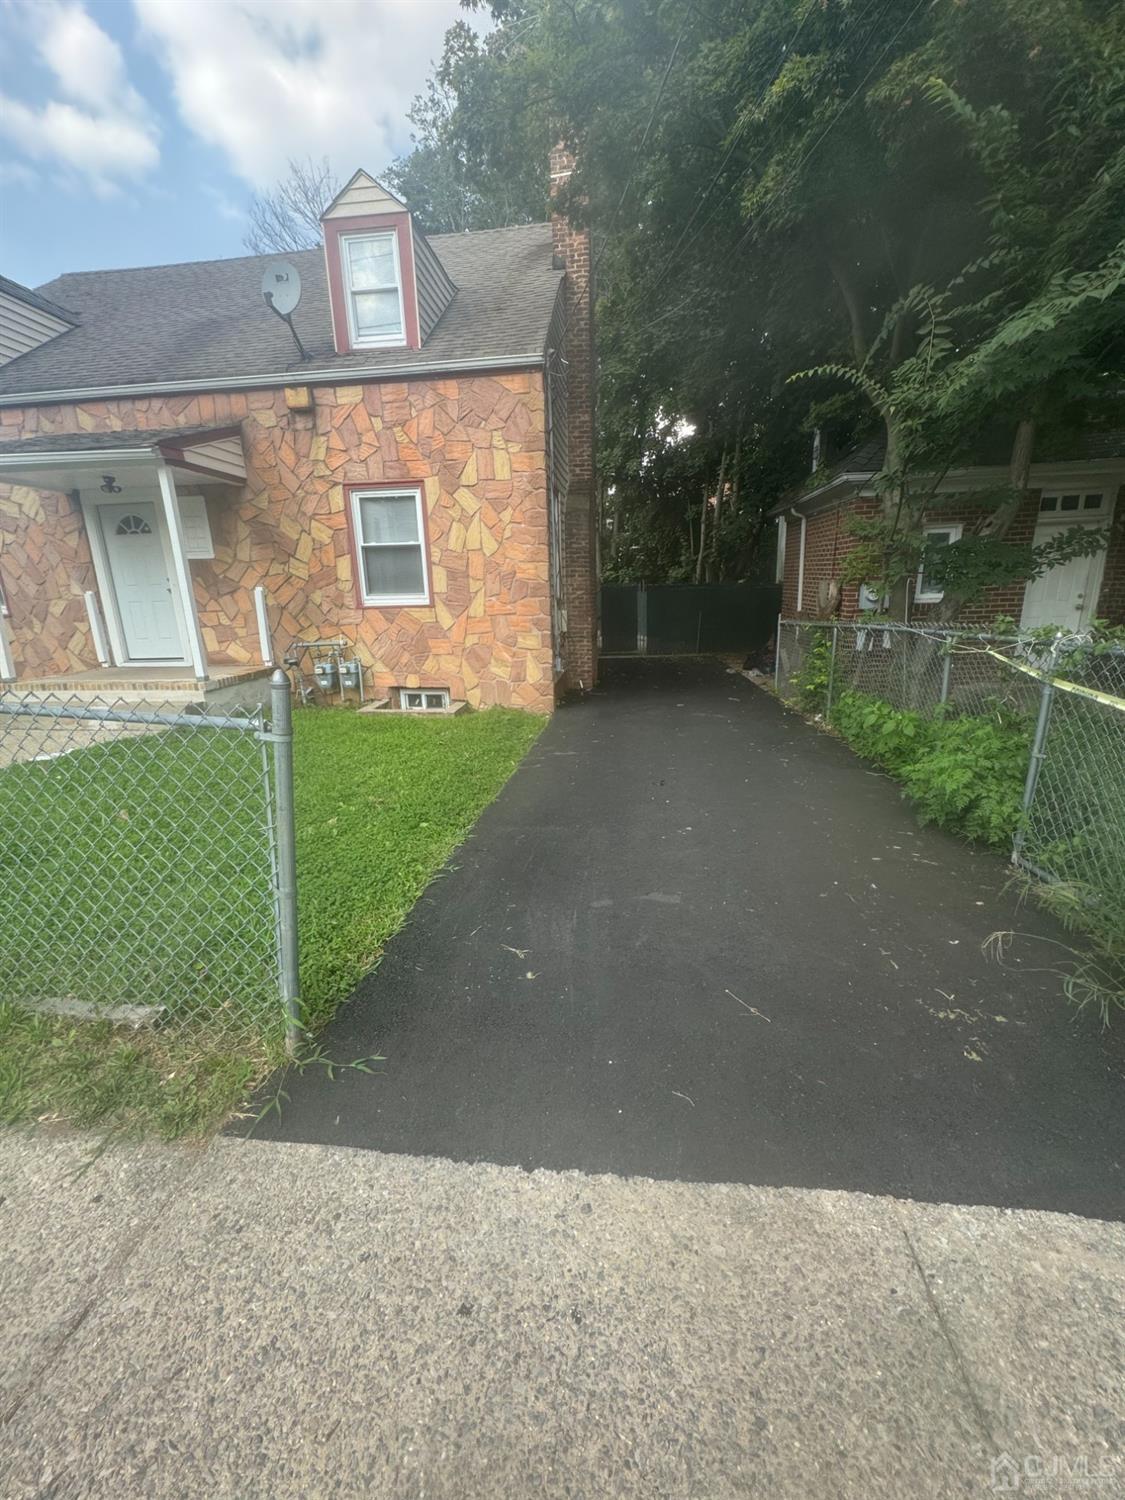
(281, 286)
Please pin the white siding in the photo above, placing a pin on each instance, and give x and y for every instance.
(23, 327)
(224, 456)
(363, 195)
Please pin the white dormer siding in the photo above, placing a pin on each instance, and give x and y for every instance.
(24, 326)
(372, 251)
(362, 195)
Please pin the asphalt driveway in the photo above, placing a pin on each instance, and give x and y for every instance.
(696, 939)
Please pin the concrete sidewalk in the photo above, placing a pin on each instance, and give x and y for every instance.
(257, 1321)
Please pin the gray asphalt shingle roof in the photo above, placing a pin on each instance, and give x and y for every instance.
(867, 458)
(206, 320)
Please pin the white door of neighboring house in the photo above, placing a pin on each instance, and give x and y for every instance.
(1067, 595)
(141, 584)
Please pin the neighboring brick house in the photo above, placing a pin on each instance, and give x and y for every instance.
(420, 486)
(815, 536)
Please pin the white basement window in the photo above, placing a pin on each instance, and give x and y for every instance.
(389, 537)
(373, 287)
(927, 590)
(423, 700)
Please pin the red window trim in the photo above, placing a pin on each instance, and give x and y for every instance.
(334, 231)
(392, 487)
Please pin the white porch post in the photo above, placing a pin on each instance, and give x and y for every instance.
(180, 567)
(7, 662)
(261, 609)
(97, 629)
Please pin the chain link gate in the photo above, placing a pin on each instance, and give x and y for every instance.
(147, 863)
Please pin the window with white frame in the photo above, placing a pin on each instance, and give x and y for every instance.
(424, 700)
(390, 542)
(1073, 504)
(373, 288)
(928, 590)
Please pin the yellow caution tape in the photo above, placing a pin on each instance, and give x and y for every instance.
(1059, 682)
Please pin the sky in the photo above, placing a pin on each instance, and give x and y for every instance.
(135, 132)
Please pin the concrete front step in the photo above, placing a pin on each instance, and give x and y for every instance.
(235, 687)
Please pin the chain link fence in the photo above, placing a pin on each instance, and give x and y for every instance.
(146, 863)
(1070, 698)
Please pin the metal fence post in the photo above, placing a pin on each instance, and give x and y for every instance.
(831, 671)
(777, 658)
(281, 726)
(946, 667)
(1034, 766)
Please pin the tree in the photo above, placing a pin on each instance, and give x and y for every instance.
(1029, 333)
(482, 135)
(288, 217)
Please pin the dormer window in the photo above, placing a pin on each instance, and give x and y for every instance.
(386, 286)
(373, 283)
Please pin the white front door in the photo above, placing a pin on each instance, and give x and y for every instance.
(1067, 596)
(140, 582)
(1064, 596)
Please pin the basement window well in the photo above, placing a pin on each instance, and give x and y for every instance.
(424, 700)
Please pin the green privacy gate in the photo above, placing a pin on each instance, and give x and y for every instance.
(684, 619)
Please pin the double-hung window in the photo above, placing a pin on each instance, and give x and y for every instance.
(390, 543)
(928, 590)
(373, 288)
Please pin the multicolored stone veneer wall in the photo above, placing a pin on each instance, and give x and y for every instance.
(476, 446)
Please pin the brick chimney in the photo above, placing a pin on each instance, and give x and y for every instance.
(571, 247)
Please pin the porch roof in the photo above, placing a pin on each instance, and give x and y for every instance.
(57, 461)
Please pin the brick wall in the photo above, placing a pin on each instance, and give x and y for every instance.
(474, 444)
(993, 602)
(828, 541)
(580, 582)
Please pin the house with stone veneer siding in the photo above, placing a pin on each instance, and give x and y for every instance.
(1085, 487)
(183, 495)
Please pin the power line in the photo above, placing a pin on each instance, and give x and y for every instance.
(738, 129)
(644, 141)
(834, 121)
(670, 260)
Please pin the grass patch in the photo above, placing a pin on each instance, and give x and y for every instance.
(381, 804)
(86, 910)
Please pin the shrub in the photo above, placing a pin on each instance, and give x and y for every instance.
(966, 774)
(972, 775)
(891, 737)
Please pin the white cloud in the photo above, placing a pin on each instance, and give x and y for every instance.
(99, 128)
(268, 80)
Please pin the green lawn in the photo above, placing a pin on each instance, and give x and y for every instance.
(85, 909)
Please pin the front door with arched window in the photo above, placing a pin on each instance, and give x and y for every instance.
(141, 584)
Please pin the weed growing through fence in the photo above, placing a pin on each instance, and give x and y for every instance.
(810, 682)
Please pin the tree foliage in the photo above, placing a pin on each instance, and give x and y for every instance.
(918, 204)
